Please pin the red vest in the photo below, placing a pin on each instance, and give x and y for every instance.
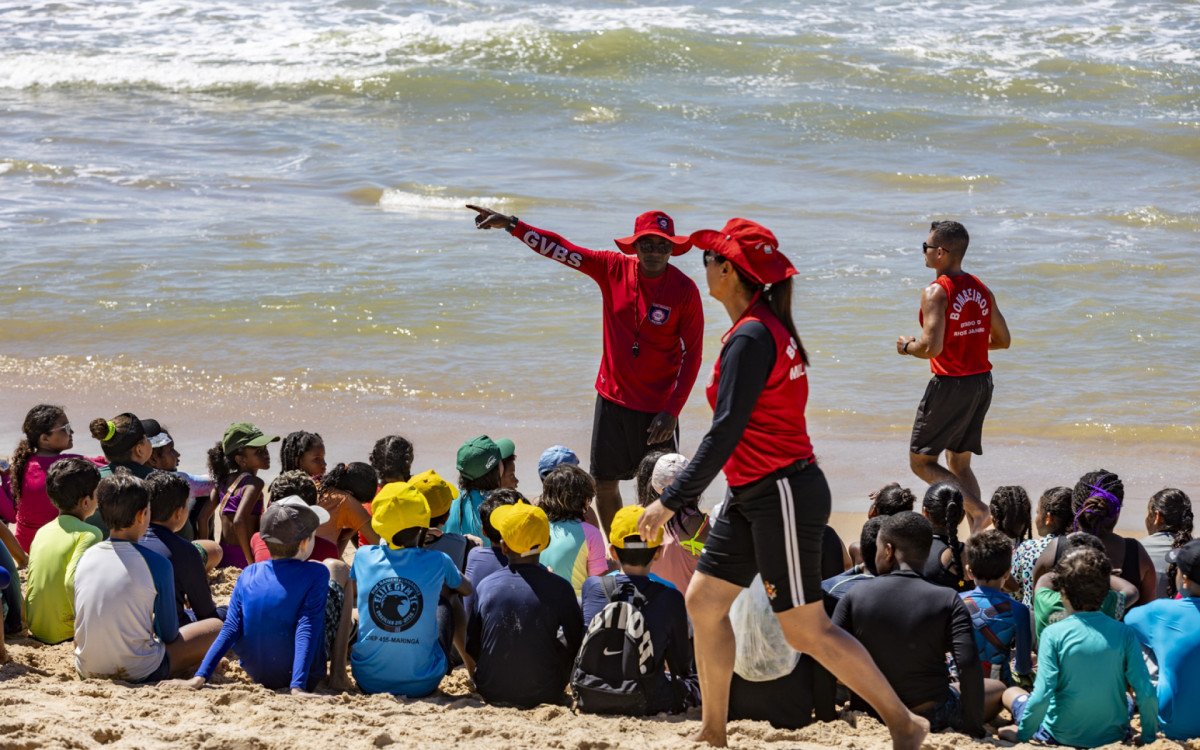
(776, 436)
(968, 327)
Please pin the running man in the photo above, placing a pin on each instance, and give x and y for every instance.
(653, 335)
(960, 324)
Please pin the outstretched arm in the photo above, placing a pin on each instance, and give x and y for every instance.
(933, 328)
(555, 247)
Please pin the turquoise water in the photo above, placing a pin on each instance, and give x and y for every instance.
(268, 195)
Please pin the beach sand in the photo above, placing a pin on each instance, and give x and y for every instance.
(46, 705)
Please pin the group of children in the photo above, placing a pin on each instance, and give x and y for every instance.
(366, 574)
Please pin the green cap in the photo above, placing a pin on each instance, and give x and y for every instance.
(508, 448)
(244, 435)
(477, 457)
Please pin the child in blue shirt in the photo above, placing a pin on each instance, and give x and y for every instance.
(1085, 663)
(276, 616)
(1003, 632)
(404, 636)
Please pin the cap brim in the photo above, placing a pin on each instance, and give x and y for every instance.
(259, 442)
(161, 439)
(682, 244)
(508, 448)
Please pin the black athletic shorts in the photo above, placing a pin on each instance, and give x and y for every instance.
(950, 415)
(773, 528)
(619, 440)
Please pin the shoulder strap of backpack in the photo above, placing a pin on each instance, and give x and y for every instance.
(610, 586)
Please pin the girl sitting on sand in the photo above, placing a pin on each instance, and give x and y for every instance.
(303, 451)
(685, 533)
(1169, 525)
(1053, 520)
(234, 464)
(943, 506)
(1011, 513)
(577, 548)
(46, 433)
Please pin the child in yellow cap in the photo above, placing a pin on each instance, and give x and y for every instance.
(662, 608)
(517, 614)
(404, 634)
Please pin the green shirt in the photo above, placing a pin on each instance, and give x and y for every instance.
(50, 583)
(1084, 664)
(1048, 608)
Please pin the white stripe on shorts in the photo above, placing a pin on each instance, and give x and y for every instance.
(791, 544)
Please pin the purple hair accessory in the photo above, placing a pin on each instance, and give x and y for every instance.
(1111, 501)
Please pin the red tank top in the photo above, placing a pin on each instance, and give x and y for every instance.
(776, 435)
(968, 327)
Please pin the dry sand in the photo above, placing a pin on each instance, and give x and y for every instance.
(46, 705)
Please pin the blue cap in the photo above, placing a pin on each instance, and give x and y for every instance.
(554, 456)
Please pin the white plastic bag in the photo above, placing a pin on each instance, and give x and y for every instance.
(762, 652)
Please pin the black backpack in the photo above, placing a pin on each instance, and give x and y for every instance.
(614, 663)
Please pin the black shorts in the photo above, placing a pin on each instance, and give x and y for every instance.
(162, 672)
(950, 415)
(773, 528)
(619, 440)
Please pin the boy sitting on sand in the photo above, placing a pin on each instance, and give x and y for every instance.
(57, 548)
(663, 612)
(1085, 663)
(1002, 627)
(908, 625)
(277, 613)
(126, 626)
(516, 617)
(483, 561)
(169, 493)
(404, 636)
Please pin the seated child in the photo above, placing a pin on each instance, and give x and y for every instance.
(686, 532)
(404, 636)
(577, 547)
(277, 616)
(885, 501)
(663, 613)
(838, 586)
(57, 548)
(944, 509)
(441, 495)
(238, 495)
(513, 633)
(553, 456)
(10, 596)
(345, 491)
(126, 626)
(169, 494)
(483, 561)
(479, 470)
(1002, 624)
(164, 456)
(295, 484)
(1170, 629)
(1048, 607)
(303, 451)
(1085, 663)
(899, 607)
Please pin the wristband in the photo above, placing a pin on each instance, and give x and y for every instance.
(512, 223)
(906, 343)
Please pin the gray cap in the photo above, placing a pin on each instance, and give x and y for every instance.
(290, 521)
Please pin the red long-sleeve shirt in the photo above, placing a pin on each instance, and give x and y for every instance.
(663, 316)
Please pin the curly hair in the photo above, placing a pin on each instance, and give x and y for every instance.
(566, 492)
(294, 446)
(1175, 507)
(1056, 503)
(1012, 512)
(892, 499)
(222, 465)
(296, 483)
(1082, 578)
(645, 470)
(357, 478)
(1096, 502)
(39, 421)
(392, 458)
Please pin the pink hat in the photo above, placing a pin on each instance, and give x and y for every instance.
(749, 246)
(658, 224)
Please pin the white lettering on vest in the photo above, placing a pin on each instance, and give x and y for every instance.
(966, 296)
(552, 249)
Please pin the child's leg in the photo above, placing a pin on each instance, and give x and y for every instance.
(459, 615)
(212, 553)
(1010, 695)
(339, 574)
(993, 694)
(188, 650)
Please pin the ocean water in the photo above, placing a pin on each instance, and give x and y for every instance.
(264, 199)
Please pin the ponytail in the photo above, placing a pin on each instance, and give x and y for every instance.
(1056, 503)
(39, 421)
(779, 298)
(220, 465)
(943, 504)
(118, 436)
(1096, 502)
(1011, 512)
(1175, 507)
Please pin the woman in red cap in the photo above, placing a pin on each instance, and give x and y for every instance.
(653, 335)
(772, 522)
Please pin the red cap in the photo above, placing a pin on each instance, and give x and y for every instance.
(658, 224)
(749, 246)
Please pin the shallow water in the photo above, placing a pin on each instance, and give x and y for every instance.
(268, 196)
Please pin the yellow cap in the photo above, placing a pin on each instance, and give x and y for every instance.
(436, 490)
(397, 507)
(524, 528)
(625, 525)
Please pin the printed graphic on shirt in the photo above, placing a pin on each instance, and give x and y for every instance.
(396, 604)
(658, 314)
(552, 249)
(961, 300)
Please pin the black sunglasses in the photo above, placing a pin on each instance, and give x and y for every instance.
(710, 256)
(926, 247)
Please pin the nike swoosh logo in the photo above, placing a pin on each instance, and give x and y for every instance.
(612, 653)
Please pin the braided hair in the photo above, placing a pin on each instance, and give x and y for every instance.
(1012, 512)
(295, 445)
(392, 458)
(1175, 507)
(943, 504)
(1096, 502)
(1056, 503)
(39, 421)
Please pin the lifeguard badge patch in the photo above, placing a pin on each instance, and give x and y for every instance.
(658, 314)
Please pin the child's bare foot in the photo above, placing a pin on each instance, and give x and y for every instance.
(910, 737)
(710, 737)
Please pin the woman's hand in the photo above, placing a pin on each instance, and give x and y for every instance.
(653, 519)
